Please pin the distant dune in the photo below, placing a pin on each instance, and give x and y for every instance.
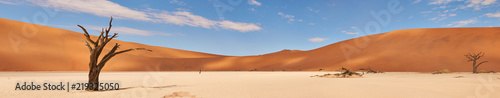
(419, 50)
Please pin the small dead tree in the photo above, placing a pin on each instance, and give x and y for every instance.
(96, 47)
(474, 57)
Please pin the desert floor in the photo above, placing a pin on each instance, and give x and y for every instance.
(262, 85)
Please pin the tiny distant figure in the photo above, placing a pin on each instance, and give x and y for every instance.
(200, 71)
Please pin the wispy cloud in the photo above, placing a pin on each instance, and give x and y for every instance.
(435, 2)
(132, 31)
(317, 39)
(177, 2)
(416, 1)
(187, 18)
(426, 12)
(493, 14)
(9, 2)
(242, 27)
(97, 7)
(324, 18)
(312, 10)
(351, 33)
(290, 18)
(442, 16)
(476, 4)
(253, 2)
(117, 29)
(463, 22)
(106, 8)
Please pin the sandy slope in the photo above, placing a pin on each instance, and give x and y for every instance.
(264, 85)
(62, 50)
(420, 50)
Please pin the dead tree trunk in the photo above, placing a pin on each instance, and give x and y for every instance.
(96, 47)
(474, 58)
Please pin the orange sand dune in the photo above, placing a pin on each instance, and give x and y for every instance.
(421, 50)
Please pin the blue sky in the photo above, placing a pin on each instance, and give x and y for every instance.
(251, 27)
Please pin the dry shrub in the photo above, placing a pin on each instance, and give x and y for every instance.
(346, 73)
(441, 71)
(484, 71)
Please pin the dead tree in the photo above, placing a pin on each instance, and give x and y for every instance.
(96, 47)
(474, 57)
(345, 73)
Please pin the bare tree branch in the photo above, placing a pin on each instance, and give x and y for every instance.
(123, 51)
(479, 55)
(469, 57)
(99, 39)
(481, 63)
(108, 56)
(109, 28)
(87, 44)
(87, 35)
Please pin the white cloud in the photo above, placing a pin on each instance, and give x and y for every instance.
(286, 16)
(426, 12)
(97, 7)
(452, 14)
(242, 27)
(106, 9)
(10, 2)
(463, 23)
(476, 4)
(416, 1)
(310, 9)
(177, 2)
(488, 2)
(181, 9)
(493, 14)
(351, 33)
(317, 39)
(187, 18)
(440, 2)
(290, 18)
(252, 9)
(253, 2)
(126, 30)
(439, 18)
